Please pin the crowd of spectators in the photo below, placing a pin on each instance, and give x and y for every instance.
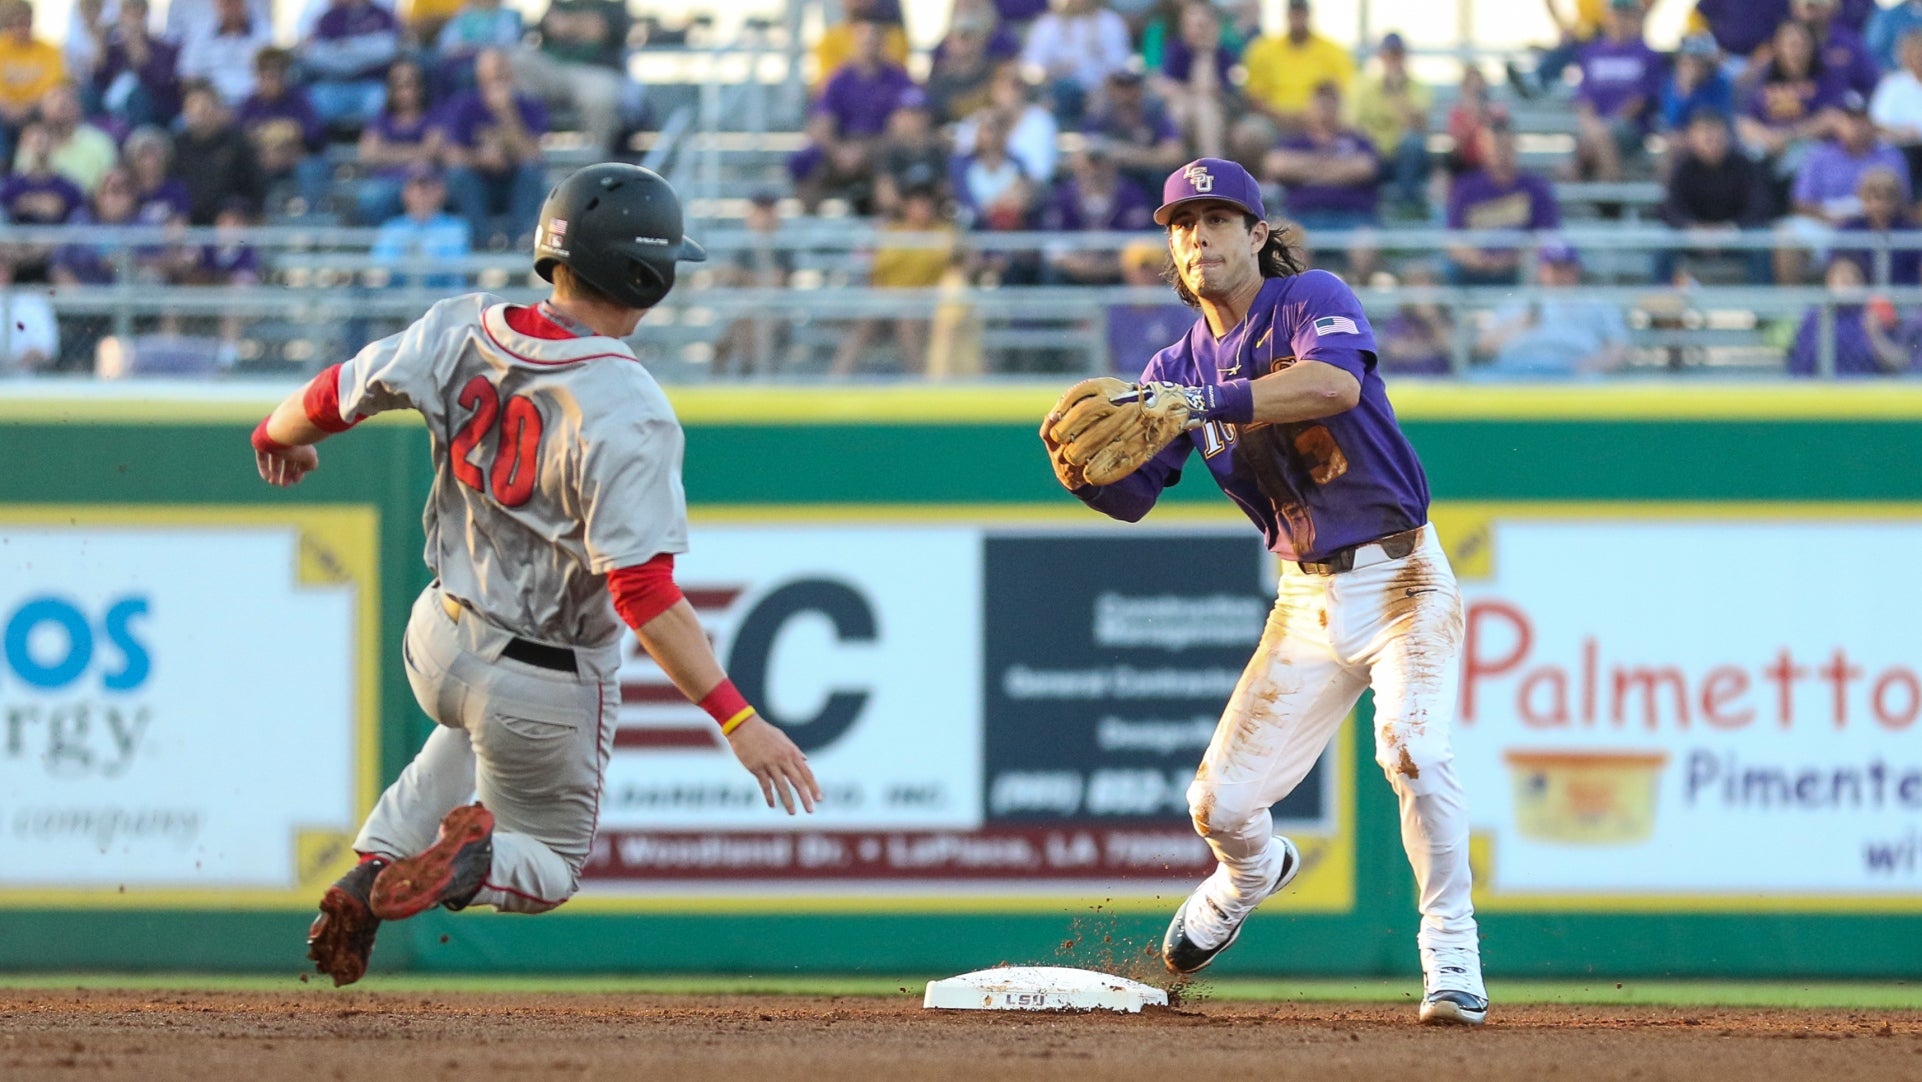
(1800, 117)
(426, 123)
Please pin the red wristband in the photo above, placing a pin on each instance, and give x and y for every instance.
(726, 706)
(265, 444)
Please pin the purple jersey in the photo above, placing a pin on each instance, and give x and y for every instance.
(395, 131)
(1904, 264)
(1844, 53)
(1123, 207)
(861, 103)
(1742, 26)
(1309, 198)
(1178, 61)
(1854, 353)
(39, 200)
(469, 121)
(167, 203)
(1313, 487)
(1782, 103)
(1480, 201)
(1617, 73)
(282, 123)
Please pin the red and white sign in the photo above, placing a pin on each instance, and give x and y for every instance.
(1714, 707)
(863, 643)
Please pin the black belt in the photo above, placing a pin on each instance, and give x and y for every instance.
(541, 655)
(526, 651)
(1394, 546)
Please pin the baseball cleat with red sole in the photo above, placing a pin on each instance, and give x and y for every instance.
(342, 938)
(448, 873)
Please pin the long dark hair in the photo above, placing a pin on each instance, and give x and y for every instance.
(1277, 259)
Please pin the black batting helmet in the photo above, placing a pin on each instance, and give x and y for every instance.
(618, 227)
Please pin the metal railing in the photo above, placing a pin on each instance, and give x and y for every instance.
(323, 295)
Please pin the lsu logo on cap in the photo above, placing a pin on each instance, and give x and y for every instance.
(1199, 178)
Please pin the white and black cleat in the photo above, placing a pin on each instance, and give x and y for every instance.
(1183, 955)
(1451, 1007)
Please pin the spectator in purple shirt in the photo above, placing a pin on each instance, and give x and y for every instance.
(1194, 78)
(1842, 49)
(1867, 339)
(284, 128)
(36, 195)
(394, 142)
(1742, 27)
(847, 121)
(115, 202)
(1793, 100)
(1885, 217)
(160, 199)
(1093, 197)
(1331, 171)
(1332, 174)
(346, 59)
(1417, 339)
(1621, 85)
(1136, 332)
(1827, 185)
(137, 80)
(490, 140)
(1498, 196)
(1141, 136)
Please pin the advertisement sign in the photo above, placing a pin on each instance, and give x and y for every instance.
(160, 743)
(1683, 710)
(998, 715)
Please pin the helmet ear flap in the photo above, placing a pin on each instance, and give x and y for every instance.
(650, 283)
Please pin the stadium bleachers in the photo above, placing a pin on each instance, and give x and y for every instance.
(725, 115)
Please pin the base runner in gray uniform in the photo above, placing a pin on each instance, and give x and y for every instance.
(555, 516)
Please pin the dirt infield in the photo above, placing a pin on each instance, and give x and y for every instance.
(163, 1036)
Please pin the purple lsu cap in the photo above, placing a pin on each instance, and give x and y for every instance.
(1210, 178)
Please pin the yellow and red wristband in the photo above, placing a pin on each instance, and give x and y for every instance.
(727, 706)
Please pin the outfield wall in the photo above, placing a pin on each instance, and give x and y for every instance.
(1689, 720)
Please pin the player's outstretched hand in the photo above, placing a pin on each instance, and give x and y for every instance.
(284, 468)
(776, 763)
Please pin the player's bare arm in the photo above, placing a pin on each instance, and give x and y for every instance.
(679, 645)
(1304, 391)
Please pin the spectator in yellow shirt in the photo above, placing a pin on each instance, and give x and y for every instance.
(29, 68)
(1391, 108)
(904, 266)
(1284, 70)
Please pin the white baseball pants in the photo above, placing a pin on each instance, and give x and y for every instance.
(532, 743)
(1395, 625)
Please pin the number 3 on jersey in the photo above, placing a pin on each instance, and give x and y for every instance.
(515, 464)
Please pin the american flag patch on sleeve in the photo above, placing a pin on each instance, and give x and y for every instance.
(1336, 325)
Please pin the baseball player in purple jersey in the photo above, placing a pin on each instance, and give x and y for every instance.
(554, 518)
(1289, 416)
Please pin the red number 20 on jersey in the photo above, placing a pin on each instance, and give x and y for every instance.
(517, 446)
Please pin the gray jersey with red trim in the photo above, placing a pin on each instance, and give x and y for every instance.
(556, 461)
